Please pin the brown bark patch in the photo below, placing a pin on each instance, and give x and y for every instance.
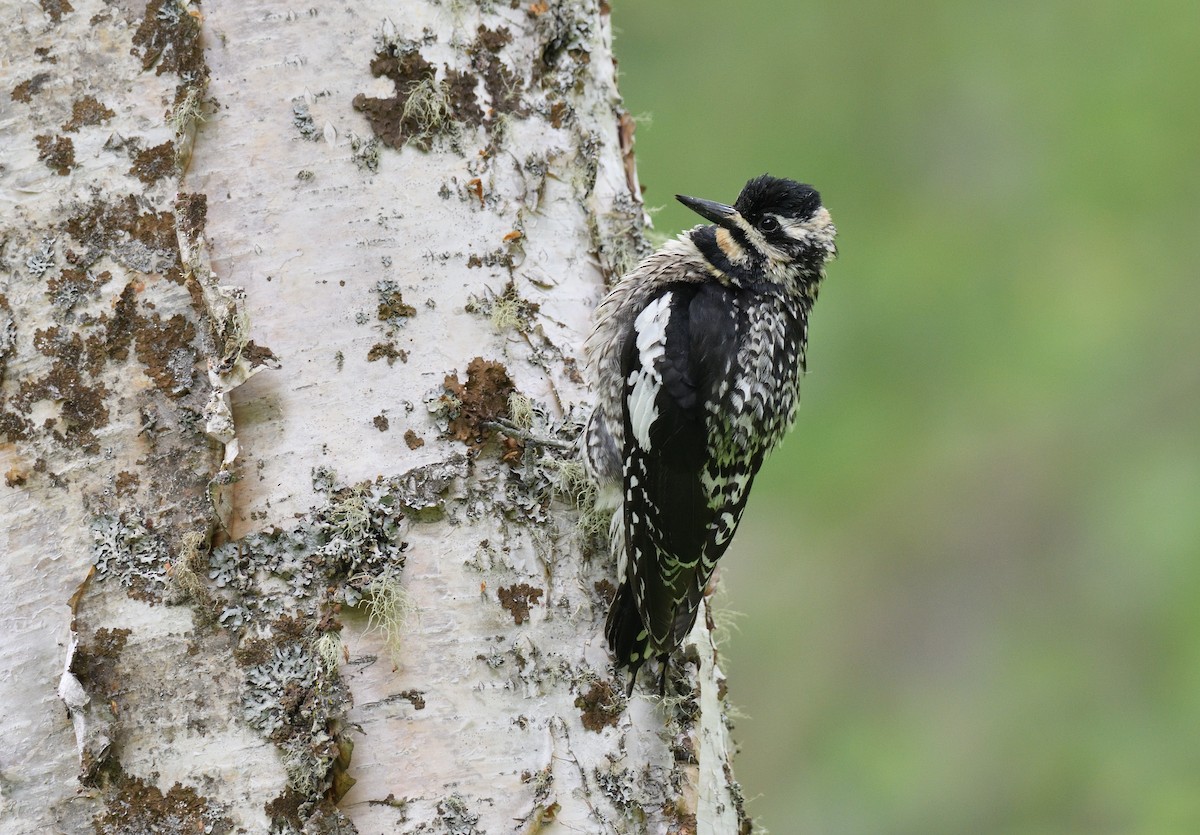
(95, 663)
(135, 806)
(56, 8)
(152, 164)
(191, 213)
(257, 355)
(424, 107)
(386, 351)
(286, 807)
(81, 406)
(481, 399)
(504, 87)
(392, 306)
(389, 118)
(87, 111)
(517, 599)
(164, 347)
(58, 152)
(169, 36)
(102, 224)
(126, 483)
(600, 707)
(30, 87)
(71, 286)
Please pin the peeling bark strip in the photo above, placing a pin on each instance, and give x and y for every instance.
(255, 643)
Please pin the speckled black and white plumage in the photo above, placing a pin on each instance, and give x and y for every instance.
(696, 358)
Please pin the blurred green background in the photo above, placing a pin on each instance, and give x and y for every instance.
(971, 577)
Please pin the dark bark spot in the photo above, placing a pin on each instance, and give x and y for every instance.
(164, 347)
(135, 806)
(87, 111)
(392, 306)
(606, 590)
(415, 697)
(517, 599)
(600, 707)
(386, 351)
(386, 116)
(191, 214)
(170, 37)
(482, 398)
(58, 152)
(30, 87)
(152, 164)
(56, 8)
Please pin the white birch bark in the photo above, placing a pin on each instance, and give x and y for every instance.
(326, 597)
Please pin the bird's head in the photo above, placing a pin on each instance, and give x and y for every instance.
(776, 221)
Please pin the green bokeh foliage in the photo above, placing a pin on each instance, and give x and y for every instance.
(971, 577)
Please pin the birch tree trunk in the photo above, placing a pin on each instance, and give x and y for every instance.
(329, 597)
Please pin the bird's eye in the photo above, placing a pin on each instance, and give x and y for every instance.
(769, 224)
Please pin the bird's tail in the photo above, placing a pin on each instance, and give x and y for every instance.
(627, 636)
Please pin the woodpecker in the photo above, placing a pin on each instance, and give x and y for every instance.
(696, 357)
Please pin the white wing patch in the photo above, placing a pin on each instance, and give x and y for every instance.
(650, 329)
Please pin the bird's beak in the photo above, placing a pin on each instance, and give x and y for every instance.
(718, 213)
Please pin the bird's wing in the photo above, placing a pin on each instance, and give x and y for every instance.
(680, 353)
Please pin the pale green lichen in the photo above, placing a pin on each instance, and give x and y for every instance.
(302, 120)
(41, 260)
(355, 537)
(389, 609)
(619, 785)
(520, 411)
(364, 152)
(278, 591)
(572, 484)
(184, 573)
(292, 699)
(128, 551)
(622, 240)
(501, 126)
(188, 112)
(506, 313)
(330, 649)
(266, 684)
(506, 310)
(350, 517)
(454, 814)
(428, 109)
(724, 619)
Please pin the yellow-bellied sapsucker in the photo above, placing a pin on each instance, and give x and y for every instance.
(696, 357)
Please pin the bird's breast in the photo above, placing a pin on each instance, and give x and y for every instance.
(763, 392)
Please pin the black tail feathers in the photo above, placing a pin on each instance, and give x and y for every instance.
(627, 637)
